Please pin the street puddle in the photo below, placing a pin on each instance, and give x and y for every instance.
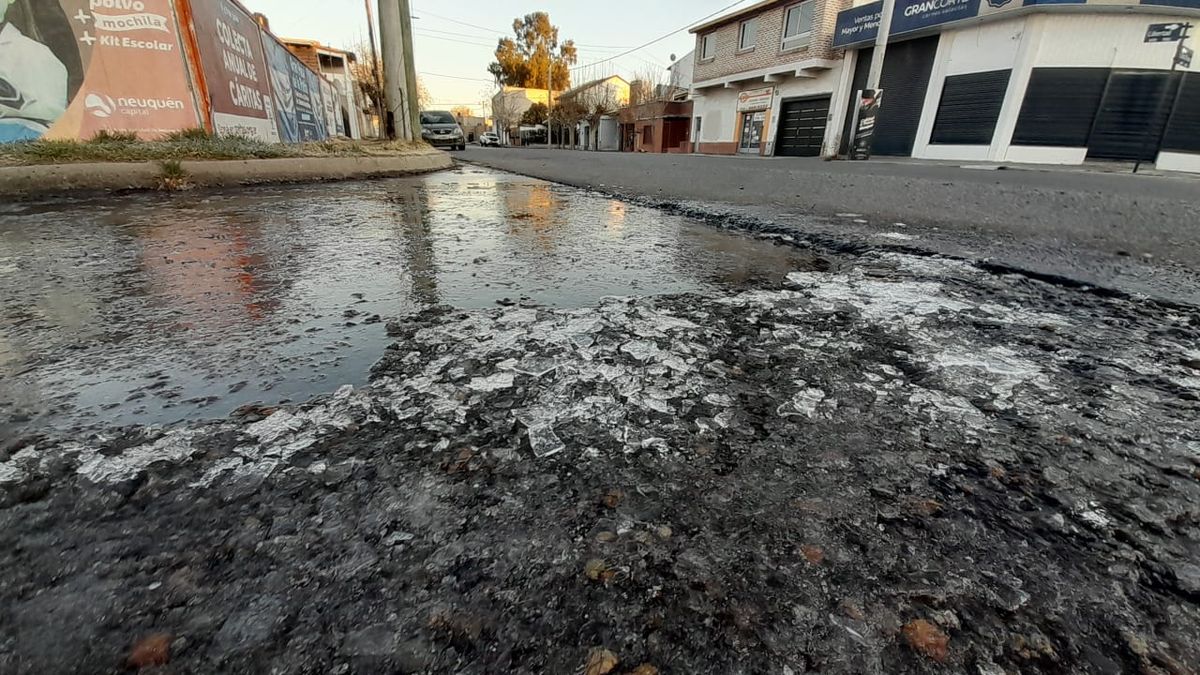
(147, 310)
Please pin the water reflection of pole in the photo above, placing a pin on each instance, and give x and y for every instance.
(412, 208)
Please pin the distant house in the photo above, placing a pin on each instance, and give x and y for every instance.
(510, 103)
(609, 94)
(335, 66)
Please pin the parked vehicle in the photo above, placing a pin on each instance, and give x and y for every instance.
(489, 140)
(440, 129)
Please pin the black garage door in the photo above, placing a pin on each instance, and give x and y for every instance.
(802, 127)
(1132, 115)
(905, 81)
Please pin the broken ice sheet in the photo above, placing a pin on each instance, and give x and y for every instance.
(642, 350)
(494, 382)
(804, 403)
(544, 442)
(537, 366)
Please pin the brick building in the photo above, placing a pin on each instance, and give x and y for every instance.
(764, 80)
(656, 126)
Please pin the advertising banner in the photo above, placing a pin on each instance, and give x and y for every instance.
(329, 98)
(70, 68)
(865, 117)
(297, 95)
(235, 69)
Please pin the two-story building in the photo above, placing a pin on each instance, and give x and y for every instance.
(764, 80)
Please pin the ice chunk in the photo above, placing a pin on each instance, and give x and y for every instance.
(642, 350)
(494, 382)
(804, 403)
(719, 400)
(536, 366)
(544, 442)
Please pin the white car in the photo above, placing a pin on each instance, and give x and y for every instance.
(489, 140)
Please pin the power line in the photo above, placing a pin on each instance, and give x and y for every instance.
(661, 38)
(455, 40)
(446, 32)
(456, 77)
(464, 23)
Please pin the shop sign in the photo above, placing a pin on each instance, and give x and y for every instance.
(71, 68)
(235, 68)
(912, 15)
(756, 99)
(860, 25)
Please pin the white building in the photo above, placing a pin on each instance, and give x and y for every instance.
(1031, 81)
(608, 93)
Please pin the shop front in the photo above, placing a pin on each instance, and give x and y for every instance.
(1031, 82)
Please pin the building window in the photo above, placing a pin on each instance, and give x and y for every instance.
(708, 47)
(798, 25)
(747, 35)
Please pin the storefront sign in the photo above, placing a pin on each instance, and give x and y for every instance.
(756, 99)
(858, 26)
(70, 68)
(231, 54)
(913, 15)
(865, 117)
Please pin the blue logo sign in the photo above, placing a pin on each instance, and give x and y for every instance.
(998, 3)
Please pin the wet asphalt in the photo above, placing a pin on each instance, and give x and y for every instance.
(1100, 226)
(488, 424)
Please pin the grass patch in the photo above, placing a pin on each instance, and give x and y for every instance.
(189, 144)
(172, 177)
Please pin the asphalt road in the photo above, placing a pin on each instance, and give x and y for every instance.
(1132, 233)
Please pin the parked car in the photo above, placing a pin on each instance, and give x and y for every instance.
(440, 129)
(489, 140)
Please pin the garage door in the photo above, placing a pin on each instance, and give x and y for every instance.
(802, 127)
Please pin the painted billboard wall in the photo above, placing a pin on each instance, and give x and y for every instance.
(71, 68)
(299, 109)
(235, 70)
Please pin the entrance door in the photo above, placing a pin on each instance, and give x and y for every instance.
(1132, 115)
(905, 80)
(752, 131)
(802, 127)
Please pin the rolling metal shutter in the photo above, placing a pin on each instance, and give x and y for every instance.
(970, 108)
(905, 81)
(802, 127)
(1131, 118)
(906, 72)
(1060, 106)
(1183, 134)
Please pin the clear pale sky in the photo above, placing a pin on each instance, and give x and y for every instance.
(444, 47)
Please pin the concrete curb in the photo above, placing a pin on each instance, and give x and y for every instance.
(59, 179)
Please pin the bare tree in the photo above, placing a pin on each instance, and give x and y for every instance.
(599, 101)
(504, 113)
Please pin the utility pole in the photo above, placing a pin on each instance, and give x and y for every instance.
(376, 72)
(1181, 52)
(410, 69)
(549, 95)
(865, 118)
(400, 73)
(881, 42)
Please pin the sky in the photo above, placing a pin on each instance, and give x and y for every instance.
(455, 41)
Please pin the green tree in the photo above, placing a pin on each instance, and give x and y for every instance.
(534, 54)
(537, 114)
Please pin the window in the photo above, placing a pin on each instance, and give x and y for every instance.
(747, 35)
(708, 47)
(797, 25)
